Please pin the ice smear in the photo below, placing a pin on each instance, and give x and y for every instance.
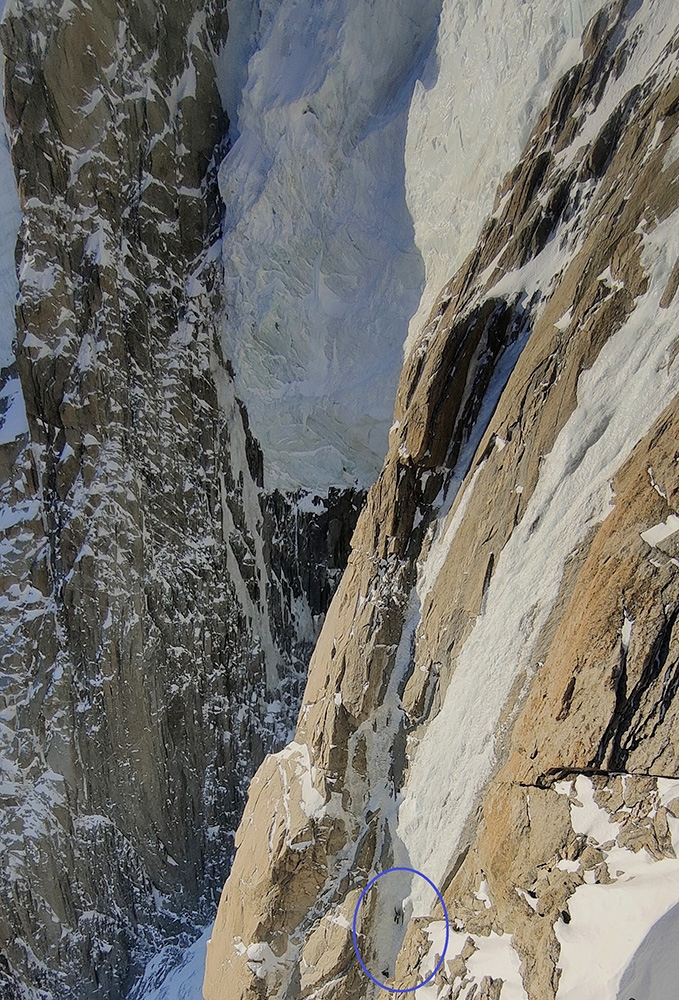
(619, 398)
(497, 63)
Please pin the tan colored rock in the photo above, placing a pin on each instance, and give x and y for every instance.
(589, 702)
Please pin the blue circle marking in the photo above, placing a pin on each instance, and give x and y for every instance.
(400, 989)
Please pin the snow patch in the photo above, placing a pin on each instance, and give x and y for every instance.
(608, 949)
(311, 802)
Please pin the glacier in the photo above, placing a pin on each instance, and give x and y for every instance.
(321, 269)
(359, 174)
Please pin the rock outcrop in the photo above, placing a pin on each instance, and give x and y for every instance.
(156, 619)
(502, 649)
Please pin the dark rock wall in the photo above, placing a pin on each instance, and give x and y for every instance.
(157, 618)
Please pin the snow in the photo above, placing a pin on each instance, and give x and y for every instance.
(311, 802)
(626, 631)
(653, 972)
(618, 399)
(587, 817)
(321, 271)
(497, 62)
(364, 139)
(565, 321)
(184, 981)
(658, 24)
(445, 532)
(659, 532)
(496, 957)
(620, 941)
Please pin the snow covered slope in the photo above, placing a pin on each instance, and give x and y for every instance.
(321, 270)
(495, 65)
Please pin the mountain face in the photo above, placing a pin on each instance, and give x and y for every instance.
(229, 210)
(492, 699)
(159, 609)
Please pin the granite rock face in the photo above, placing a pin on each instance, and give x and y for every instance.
(157, 616)
(500, 659)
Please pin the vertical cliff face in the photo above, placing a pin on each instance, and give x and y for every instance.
(131, 634)
(492, 699)
(156, 622)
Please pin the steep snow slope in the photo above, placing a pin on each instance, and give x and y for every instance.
(498, 61)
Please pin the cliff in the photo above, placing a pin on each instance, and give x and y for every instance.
(492, 699)
(156, 617)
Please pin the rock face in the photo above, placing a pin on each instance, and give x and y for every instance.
(156, 619)
(492, 699)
